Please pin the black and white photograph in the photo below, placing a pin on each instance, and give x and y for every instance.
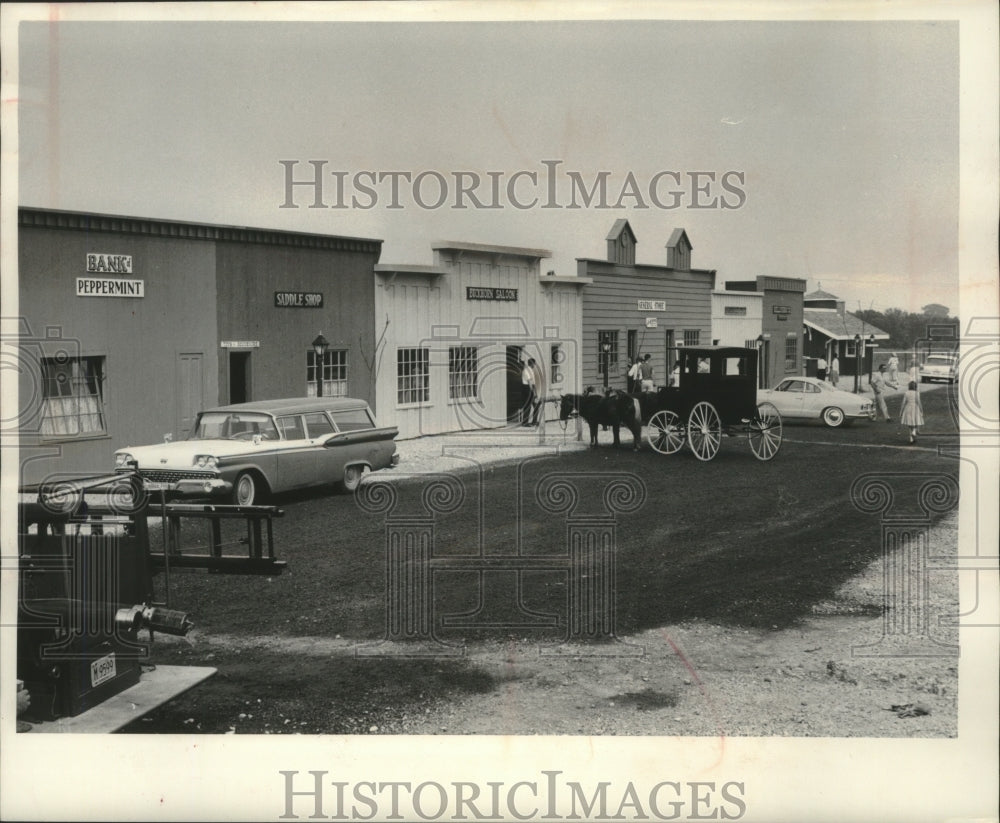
(500, 411)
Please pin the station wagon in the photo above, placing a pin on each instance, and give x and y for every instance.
(250, 450)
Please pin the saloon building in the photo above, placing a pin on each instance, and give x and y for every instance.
(452, 337)
(132, 325)
(631, 309)
(765, 314)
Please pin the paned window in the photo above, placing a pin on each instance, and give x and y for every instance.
(412, 375)
(463, 372)
(334, 376)
(73, 396)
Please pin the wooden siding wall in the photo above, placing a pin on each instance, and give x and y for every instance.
(611, 303)
(141, 339)
(248, 277)
(732, 330)
(432, 311)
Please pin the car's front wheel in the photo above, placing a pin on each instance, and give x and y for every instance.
(244, 489)
(833, 417)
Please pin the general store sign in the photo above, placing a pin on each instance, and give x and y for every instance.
(490, 293)
(240, 344)
(109, 287)
(101, 262)
(652, 305)
(298, 299)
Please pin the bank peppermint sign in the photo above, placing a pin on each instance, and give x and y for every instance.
(97, 263)
(109, 287)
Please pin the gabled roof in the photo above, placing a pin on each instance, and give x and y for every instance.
(619, 226)
(819, 294)
(675, 238)
(840, 326)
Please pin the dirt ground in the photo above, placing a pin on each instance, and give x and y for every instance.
(826, 677)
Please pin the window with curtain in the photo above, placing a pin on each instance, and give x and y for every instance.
(73, 396)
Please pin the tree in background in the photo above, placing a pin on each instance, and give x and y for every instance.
(906, 328)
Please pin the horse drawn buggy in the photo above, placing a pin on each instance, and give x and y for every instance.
(715, 395)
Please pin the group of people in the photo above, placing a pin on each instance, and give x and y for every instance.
(834, 370)
(911, 411)
(640, 374)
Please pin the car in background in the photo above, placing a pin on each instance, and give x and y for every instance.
(813, 399)
(939, 367)
(250, 450)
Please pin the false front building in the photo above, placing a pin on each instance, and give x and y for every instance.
(453, 337)
(631, 309)
(130, 326)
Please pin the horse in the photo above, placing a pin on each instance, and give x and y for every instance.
(614, 409)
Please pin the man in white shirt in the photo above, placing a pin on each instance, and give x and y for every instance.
(527, 392)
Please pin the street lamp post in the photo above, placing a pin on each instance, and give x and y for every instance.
(871, 355)
(857, 363)
(319, 346)
(605, 353)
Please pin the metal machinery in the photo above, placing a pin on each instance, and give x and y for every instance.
(87, 606)
(716, 394)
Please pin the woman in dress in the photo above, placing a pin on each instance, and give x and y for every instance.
(911, 413)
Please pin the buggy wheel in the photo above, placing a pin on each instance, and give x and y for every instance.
(764, 432)
(704, 430)
(665, 432)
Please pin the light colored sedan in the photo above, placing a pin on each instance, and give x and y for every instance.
(249, 450)
(810, 398)
(939, 367)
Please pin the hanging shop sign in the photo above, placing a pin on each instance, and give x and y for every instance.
(298, 300)
(490, 293)
(109, 287)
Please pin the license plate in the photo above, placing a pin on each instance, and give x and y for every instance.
(152, 486)
(103, 669)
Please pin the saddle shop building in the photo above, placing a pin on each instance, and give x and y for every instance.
(631, 309)
(129, 326)
(453, 337)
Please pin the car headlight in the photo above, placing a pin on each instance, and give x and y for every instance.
(123, 460)
(206, 461)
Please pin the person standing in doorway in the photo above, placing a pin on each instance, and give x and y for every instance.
(892, 378)
(835, 370)
(527, 392)
(821, 368)
(878, 389)
(633, 375)
(911, 412)
(539, 388)
(646, 372)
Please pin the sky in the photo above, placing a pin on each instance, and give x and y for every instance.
(838, 140)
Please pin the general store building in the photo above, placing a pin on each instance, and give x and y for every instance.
(131, 325)
(631, 309)
(765, 314)
(452, 337)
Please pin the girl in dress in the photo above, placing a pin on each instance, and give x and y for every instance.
(911, 413)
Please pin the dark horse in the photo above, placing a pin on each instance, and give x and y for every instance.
(614, 409)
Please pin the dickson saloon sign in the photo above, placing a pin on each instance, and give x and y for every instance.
(490, 293)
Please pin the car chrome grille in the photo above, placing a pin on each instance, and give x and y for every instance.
(164, 476)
